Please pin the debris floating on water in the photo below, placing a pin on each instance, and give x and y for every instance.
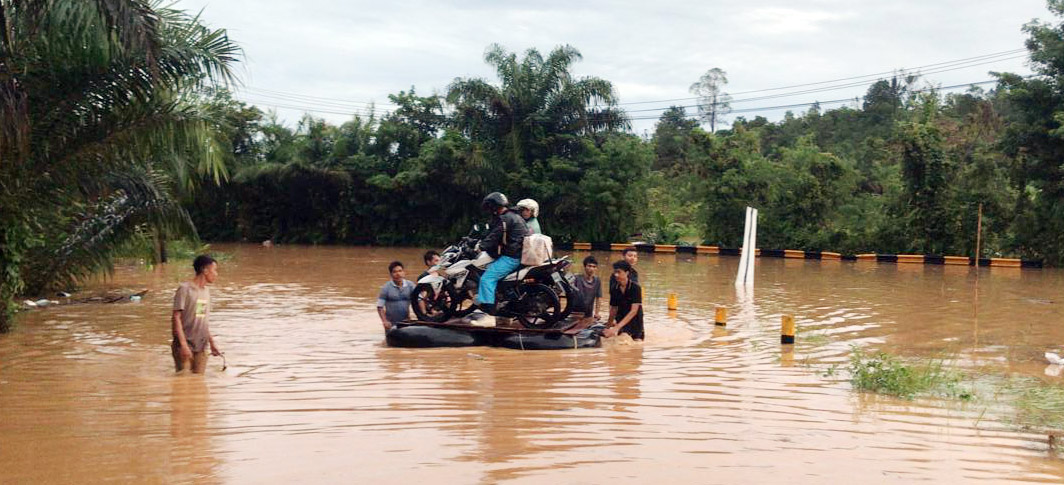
(1054, 358)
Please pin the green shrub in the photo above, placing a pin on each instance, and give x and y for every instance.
(887, 374)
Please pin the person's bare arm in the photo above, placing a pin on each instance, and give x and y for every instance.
(214, 347)
(384, 319)
(179, 332)
(612, 331)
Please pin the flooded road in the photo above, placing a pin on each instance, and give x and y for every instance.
(311, 395)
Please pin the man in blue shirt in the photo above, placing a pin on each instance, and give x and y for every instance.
(393, 303)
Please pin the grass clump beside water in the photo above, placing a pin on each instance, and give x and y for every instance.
(887, 374)
(1038, 405)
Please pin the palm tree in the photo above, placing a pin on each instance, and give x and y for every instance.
(538, 111)
(99, 128)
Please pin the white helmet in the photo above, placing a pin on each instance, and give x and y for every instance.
(530, 205)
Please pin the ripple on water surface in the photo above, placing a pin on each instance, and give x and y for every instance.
(312, 394)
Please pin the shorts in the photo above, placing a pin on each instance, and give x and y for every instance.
(198, 362)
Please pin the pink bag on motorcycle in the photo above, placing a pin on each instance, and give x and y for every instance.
(536, 250)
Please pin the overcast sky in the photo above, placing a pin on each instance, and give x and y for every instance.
(333, 57)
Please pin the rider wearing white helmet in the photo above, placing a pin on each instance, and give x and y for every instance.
(529, 210)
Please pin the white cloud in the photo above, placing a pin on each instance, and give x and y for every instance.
(787, 21)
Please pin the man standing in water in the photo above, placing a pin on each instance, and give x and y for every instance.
(393, 303)
(192, 309)
(626, 304)
(588, 290)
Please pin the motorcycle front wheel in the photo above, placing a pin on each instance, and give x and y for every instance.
(432, 306)
(538, 306)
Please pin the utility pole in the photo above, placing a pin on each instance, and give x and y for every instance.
(978, 234)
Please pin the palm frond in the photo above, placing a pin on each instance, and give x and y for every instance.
(139, 200)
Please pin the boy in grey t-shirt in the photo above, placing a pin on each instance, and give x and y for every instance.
(192, 309)
(588, 289)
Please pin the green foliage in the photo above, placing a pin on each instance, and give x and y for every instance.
(925, 172)
(1038, 404)
(416, 176)
(886, 374)
(101, 127)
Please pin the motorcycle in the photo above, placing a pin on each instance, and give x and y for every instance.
(528, 294)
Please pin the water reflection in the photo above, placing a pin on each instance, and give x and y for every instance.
(192, 457)
(312, 395)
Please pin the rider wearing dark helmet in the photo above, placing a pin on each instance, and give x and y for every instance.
(506, 234)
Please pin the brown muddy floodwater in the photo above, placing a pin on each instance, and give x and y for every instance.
(312, 395)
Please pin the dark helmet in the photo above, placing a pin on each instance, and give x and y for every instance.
(493, 201)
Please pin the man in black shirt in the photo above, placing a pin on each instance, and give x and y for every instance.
(626, 304)
(631, 256)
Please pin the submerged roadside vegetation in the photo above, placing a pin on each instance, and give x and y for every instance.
(1024, 402)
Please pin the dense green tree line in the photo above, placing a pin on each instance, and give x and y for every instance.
(117, 130)
(905, 171)
(416, 175)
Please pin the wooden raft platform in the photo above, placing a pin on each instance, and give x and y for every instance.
(571, 333)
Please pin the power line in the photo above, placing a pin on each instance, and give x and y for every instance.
(654, 117)
(310, 109)
(328, 105)
(316, 108)
(323, 104)
(828, 102)
(835, 87)
(337, 106)
(884, 73)
(300, 96)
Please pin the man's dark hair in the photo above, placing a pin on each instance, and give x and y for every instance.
(202, 262)
(391, 267)
(590, 260)
(629, 249)
(623, 266)
(429, 255)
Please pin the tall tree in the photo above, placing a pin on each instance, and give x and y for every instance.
(926, 171)
(1034, 140)
(713, 102)
(538, 111)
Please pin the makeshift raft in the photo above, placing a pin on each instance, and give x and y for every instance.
(464, 333)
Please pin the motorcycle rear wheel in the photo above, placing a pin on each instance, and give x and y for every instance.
(538, 307)
(464, 302)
